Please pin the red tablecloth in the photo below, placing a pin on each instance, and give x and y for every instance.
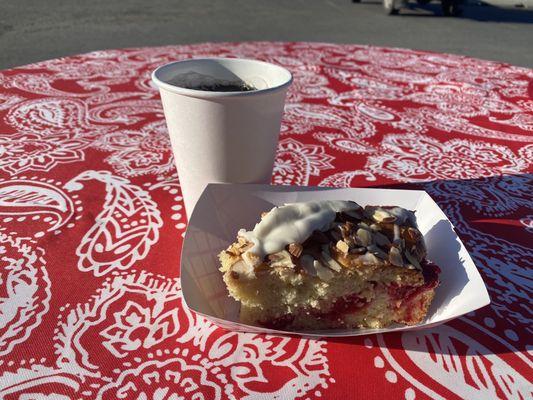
(91, 223)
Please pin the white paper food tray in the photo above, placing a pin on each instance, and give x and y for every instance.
(223, 209)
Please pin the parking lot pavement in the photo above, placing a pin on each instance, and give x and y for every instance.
(37, 30)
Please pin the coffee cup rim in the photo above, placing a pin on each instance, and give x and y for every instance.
(156, 78)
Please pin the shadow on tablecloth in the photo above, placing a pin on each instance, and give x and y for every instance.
(494, 218)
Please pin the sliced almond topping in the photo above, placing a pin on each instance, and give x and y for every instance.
(323, 273)
(381, 215)
(412, 234)
(413, 260)
(351, 240)
(396, 230)
(233, 250)
(364, 237)
(343, 247)
(377, 252)
(418, 252)
(296, 249)
(242, 247)
(395, 257)
(368, 259)
(346, 229)
(334, 265)
(281, 259)
(381, 239)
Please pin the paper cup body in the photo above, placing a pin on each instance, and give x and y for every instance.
(223, 137)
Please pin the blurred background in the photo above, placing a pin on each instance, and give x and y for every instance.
(33, 30)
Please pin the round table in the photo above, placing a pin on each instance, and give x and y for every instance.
(91, 224)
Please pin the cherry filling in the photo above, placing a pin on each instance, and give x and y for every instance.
(353, 303)
(406, 293)
(346, 305)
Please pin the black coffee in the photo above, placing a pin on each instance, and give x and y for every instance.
(196, 81)
(225, 87)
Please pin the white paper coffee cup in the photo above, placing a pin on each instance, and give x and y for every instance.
(221, 137)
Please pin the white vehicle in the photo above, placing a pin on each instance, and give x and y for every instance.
(449, 7)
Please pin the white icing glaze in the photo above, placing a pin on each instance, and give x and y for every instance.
(293, 223)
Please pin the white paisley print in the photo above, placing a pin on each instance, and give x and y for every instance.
(24, 152)
(412, 158)
(25, 291)
(92, 220)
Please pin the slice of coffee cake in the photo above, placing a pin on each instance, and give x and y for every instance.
(331, 264)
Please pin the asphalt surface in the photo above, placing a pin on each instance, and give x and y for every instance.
(33, 30)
